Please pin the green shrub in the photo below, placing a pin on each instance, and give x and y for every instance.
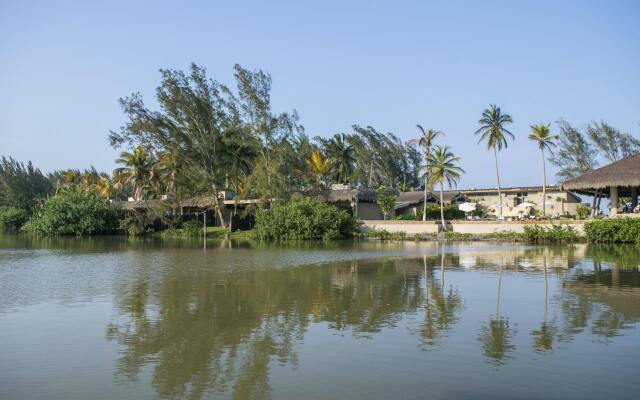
(616, 230)
(192, 229)
(384, 234)
(583, 211)
(556, 234)
(386, 201)
(504, 236)
(12, 218)
(74, 211)
(303, 219)
(405, 217)
(451, 212)
(450, 235)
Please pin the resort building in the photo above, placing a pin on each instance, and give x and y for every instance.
(558, 202)
(615, 181)
(515, 201)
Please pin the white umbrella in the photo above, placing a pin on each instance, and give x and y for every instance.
(466, 207)
(500, 205)
(526, 204)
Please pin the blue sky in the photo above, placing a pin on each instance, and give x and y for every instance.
(64, 64)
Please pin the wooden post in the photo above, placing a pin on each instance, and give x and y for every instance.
(614, 200)
(204, 223)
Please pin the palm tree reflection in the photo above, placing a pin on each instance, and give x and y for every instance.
(442, 307)
(497, 336)
(543, 338)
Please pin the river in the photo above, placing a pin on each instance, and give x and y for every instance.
(111, 317)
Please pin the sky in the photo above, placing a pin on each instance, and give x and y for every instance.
(391, 65)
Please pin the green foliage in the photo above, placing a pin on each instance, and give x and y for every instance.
(617, 230)
(451, 212)
(22, 185)
(12, 218)
(303, 219)
(386, 201)
(383, 234)
(583, 211)
(192, 229)
(555, 234)
(449, 235)
(74, 211)
(407, 217)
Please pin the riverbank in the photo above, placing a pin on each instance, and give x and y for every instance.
(473, 228)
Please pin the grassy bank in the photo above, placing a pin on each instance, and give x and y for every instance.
(531, 234)
(213, 232)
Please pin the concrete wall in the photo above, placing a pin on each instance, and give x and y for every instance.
(471, 227)
(410, 227)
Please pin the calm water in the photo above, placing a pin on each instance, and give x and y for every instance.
(109, 318)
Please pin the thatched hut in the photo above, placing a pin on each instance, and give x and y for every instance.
(618, 179)
(359, 202)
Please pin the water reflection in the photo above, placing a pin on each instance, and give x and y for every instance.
(222, 321)
(442, 305)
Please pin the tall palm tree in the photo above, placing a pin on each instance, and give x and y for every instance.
(135, 170)
(426, 140)
(319, 166)
(492, 130)
(545, 140)
(341, 155)
(442, 167)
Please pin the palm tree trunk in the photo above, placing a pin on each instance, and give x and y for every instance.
(444, 227)
(544, 186)
(217, 206)
(495, 156)
(426, 184)
(499, 290)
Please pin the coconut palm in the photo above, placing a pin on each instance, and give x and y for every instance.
(105, 187)
(545, 140)
(136, 170)
(426, 140)
(319, 166)
(442, 167)
(492, 130)
(341, 155)
(167, 170)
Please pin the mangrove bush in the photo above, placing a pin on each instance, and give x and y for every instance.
(303, 219)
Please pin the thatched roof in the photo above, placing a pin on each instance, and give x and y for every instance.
(406, 199)
(199, 202)
(136, 205)
(623, 173)
(342, 195)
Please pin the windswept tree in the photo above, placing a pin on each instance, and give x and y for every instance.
(427, 137)
(443, 167)
(270, 134)
(575, 155)
(135, 170)
(22, 185)
(492, 131)
(541, 135)
(195, 114)
(612, 143)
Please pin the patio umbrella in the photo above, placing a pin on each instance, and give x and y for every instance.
(467, 207)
